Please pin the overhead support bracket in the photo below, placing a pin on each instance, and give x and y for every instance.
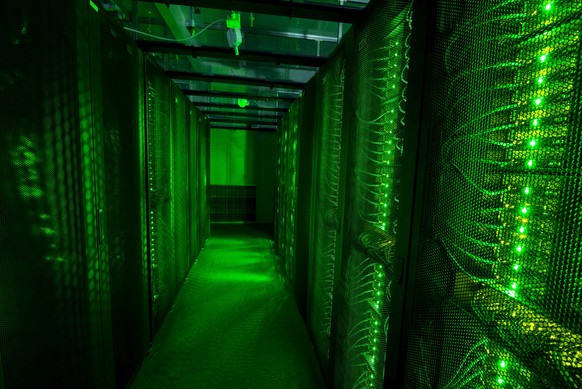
(235, 95)
(236, 106)
(227, 53)
(253, 115)
(235, 80)
(290, 9)
(214, 120)
(246, 128)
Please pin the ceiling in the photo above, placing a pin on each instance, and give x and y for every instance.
(283, 44)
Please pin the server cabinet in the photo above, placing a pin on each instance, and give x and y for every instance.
(52, 271)
(497, 296)
(375, 107)
(195, 173)
(159, 140)
(118, 126)
(325, 244)
(181, 190)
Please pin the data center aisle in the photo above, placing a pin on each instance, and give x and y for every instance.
(234, 323)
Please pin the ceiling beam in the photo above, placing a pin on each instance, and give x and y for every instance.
(235, 106)
(215, 120)
(247, 128)
(234, 80)
(290, 9)
(235, 95)
(255, 115)
(229, 54)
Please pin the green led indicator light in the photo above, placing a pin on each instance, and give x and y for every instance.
(532, 143)
(527, 190)
(530, 163)
(522, 229)
(540, 80)
(536, 122)
(503, 364)
(538, 101)
(516, 267)
(514, 286)
(384, 214)
(385, 205)
(519, 248)
(548, 6)
(500, 380)
(543, 58)
(524, 210)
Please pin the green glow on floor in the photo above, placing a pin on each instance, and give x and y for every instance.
(234, 324)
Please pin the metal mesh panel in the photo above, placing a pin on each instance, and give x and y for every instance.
(196, 181)
(328, 128)
(50, 301)
(180, 183)
(378, 77)
(160, 197)
(122, 137)
(290, 183)
(498, 300)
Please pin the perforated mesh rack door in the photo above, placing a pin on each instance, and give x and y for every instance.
(287, 188)
(181, 183)
(326, 188)
(50, 301)
(160, 195)
(376, 85)
(498, 298)
(119, 135)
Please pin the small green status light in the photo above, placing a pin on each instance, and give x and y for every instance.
(385, 205)
(511, 293)
(522, 229)
(532, 143)
(548, 6)
(536, 122)
(519, 249)
(530, 163)
(516, 267)
(514, 286)
(526, 190)
(500, 380)
(540, 80)
(503, 364)
(524, 210)
(384, 214)
(243, 103)
(538, 101)
(543, 58)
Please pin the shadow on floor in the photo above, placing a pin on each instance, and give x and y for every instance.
(234, 323)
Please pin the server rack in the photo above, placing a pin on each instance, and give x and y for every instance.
(83, 183)
(325, 245)
(118, 128)
(53, 260)
(497, 301)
